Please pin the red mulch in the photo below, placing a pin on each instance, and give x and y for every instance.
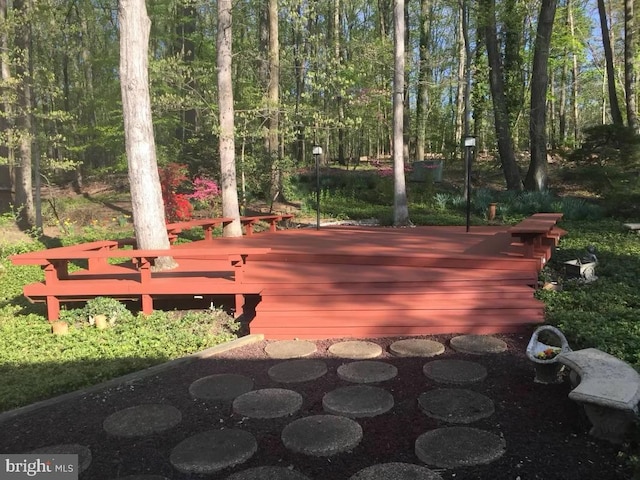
(546, 434)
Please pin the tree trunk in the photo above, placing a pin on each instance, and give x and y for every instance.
(616, 114)
(400, 205)
(460, 89)
(185, 48)
(24, 182)
(500, 112)
(273, 102)
(574, 84)
(424, 74)
(146, 195)
(230, 206)
(6, 119)
(537, 176)
(514, 77)
(629, 65)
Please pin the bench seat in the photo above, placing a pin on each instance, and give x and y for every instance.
(609, 389)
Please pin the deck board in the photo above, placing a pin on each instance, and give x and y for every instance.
(350, 281)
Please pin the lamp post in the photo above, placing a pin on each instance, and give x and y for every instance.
(469, 145)
(317, 151)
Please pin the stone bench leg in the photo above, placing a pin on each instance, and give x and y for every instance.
(608, 423)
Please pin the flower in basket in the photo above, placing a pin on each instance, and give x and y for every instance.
(547, 353)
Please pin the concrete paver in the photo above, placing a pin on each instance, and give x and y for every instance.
(83, 452)
(477, 344)
(358, 401)
(356, 349)
(290, 349)
(322, 435)
(298, 371)
(268, 403)
(396, 471)
(142, 420)
(268, 473)
(416, 347)
(455, 371)
(213, 450)
(367, 371)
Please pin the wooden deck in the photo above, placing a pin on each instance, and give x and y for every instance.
(344, 281)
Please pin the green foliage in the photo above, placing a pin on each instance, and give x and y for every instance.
(35, 364)
(602, 314)
(604, 144)
(114, 310)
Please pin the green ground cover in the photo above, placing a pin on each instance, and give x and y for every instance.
(35, 364)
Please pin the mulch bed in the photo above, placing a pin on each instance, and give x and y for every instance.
(546, 434)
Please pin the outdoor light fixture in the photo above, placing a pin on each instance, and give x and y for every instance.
(469, 144)
(317, 151)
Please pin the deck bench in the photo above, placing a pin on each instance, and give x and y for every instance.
(207, 224)
(609, 390)
(538, 234)
(249, 221)
(211, 271)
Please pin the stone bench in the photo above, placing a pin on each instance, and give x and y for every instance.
(609, 390)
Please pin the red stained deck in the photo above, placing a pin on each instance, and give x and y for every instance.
(374, 281)
(345, 281)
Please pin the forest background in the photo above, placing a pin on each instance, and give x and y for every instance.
(313, 73)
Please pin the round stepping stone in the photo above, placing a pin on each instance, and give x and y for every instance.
(322, 435)
(396, 471)
(356, 349)
(416, 347)
(83, 452)
(142, 420)
(268, 473)
(290, 349)
(267, 403)
(297, 371)
(142, 477)
(367, 371)
(455, 405)
(477, 344)
(455, 371)
(454, 447)
(214, 450)
(220, 387)
(358, 401)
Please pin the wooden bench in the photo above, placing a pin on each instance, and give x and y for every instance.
(215, 271)
(609, 390)
(207, 224)
(538, 235)
(249, 222)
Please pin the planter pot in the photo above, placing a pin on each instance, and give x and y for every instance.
(577, 269)
(548, 372)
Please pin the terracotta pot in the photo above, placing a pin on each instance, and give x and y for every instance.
(101, 322)
(59, 328)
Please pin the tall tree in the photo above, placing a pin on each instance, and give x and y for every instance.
(273, 101)
(616, 114)
(24, 121)
(630, 64)
(400, 204)
(537, 176)
(424, 74)
(6, 118)
(230, 206)
(144, 180)
(500, 111)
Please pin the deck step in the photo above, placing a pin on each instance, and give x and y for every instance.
(369, 324)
